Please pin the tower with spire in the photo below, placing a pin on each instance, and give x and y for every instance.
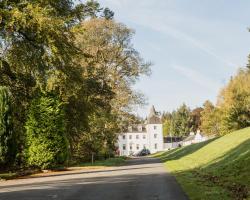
(154, 130)
(153, 117)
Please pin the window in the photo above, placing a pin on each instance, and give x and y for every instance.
(137, 146)
(124, 137)
(155, 135)
(140, 128)
(130, 137)
(155, 146)
(155, 127)
(130, 147)
(137, 136)
(124, 147)
(144, 136)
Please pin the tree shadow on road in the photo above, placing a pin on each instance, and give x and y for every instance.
(123, 187)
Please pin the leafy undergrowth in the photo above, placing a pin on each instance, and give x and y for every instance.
(117, 161)
(218, 169)
(7, 176)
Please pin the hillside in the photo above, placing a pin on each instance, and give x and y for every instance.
(215, 169)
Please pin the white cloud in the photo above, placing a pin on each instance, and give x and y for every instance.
(197, 78)
(160, 25)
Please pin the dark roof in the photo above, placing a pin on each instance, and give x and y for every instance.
(172, 139)
(154, 120)
(135, 129)
(152, 112)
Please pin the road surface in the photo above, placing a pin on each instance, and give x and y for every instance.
(139, 179)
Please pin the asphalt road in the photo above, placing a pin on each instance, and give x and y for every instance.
(139, 179)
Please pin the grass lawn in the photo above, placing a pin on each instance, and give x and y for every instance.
(218, 169)
(7, 176)
(105, 163)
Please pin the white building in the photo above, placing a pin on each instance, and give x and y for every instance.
(142, 136)
(194, 138)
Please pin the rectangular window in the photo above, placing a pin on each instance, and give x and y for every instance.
(144, 136)
(130, 137)
(130, 147)
(124, 147)
(137, 146)
(155, 146)
(155, 135)
(155, 127)
(137, 136)
(124, 137)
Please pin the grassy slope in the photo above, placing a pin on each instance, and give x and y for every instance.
(213, 170)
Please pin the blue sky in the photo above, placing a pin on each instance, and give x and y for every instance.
(196, 46)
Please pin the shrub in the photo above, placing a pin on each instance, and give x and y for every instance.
(7, 139)
(47, 145)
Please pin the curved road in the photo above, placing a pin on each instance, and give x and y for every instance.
(139, 179)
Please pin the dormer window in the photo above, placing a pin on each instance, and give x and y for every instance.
(130, 129)
(140, 128)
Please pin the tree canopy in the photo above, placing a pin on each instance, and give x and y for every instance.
(81, 55)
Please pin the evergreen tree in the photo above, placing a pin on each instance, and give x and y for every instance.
(180, 124)
(47, 146)
(7, 139)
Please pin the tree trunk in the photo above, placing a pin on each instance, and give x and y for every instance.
(92, 158)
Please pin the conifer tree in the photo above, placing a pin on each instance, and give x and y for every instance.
(47, 145)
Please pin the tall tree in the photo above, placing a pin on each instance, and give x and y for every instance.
(211, 123)
(234, 101)
(167, 119)
(107, 73)
(180, 124)
(195, 121)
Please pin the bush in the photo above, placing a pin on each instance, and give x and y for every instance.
(7, 139)
(47, 145)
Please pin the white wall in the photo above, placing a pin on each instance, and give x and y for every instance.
(149, 142)
(153, 129)
(132, 142)
(172, 145)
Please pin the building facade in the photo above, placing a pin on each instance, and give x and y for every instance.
(142, 136)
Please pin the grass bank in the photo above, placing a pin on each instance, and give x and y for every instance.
(218, 169)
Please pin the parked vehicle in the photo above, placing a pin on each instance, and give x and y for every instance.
(143, 152)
